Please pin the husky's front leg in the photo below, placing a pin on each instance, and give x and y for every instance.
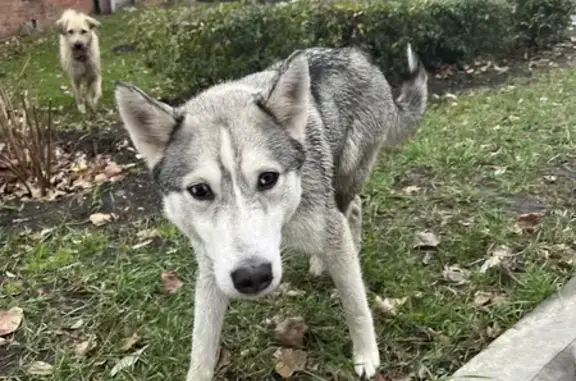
(341, 260)
(209, 308)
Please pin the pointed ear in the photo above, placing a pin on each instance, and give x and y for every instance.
(150, 123)
(288, 99)
(92, 22)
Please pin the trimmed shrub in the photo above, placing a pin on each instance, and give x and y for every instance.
(542, 22)
(200, 46)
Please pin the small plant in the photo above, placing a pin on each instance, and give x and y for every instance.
(26, 142)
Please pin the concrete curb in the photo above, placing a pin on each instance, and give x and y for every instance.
(540, 347)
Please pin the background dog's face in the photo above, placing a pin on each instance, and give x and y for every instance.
(77, 28)
(229, 168)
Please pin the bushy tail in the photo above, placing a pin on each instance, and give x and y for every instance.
(411, 103)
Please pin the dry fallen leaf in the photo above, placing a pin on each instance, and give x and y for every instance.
(83, 348)
(528, 222)
(148, 233)
(426, 240)
(287, 289)
(289, 361)
(501, 69)
(455, 274)
(129, 342)
(77, 324)
(40, 368)
(411, 189)
(100, 219)
(389, 306)
(482, 298)
(141, 244)
(10, 320)
(290, 332)
(170, 281)
(496, 257)
(126, 362)
(550, 178)
(493, 330)
(112, 169)
(223, 357)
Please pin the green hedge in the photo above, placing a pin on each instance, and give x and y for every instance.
(199, 46)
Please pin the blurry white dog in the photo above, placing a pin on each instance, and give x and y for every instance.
(80, 56)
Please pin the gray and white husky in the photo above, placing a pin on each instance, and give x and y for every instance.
(273, 160)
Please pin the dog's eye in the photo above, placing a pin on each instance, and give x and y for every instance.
(70, 31)
(267, 180)
(201, 192)
(83, 31)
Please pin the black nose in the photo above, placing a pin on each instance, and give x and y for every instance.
(252, 279)
(78, 45)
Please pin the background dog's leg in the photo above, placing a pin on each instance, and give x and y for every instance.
(341, 260)
(76, 91)
(94, 88)
(209, 308)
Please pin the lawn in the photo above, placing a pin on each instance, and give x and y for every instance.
(488, 184)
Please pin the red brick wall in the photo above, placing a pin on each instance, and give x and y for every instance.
(15, 14)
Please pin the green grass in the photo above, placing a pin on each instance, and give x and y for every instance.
(477, 162)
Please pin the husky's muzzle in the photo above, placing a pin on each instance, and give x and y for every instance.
(252, 277)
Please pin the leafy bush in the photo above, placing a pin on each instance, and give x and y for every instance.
(541, 22)
(200, 46)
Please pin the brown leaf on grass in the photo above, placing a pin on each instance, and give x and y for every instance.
(501, 69)
(126, 362)
(148, 234)
(527, 223)
(389, 306)
(290, 332)
(223, 358)
(499, 254)
(85, 347)
(481, 298)
(142, 244)
(455, 274)
(411, 189)
(289, 361)
(40, 368)
(101, 219)
(170, 281)
(77, 324)
(10, 320)
(112, 169)
(426, 240)
(129, 342)
(493, 330)
(287, 289)
(559, 254)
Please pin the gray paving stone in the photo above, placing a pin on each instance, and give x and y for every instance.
(540, 347)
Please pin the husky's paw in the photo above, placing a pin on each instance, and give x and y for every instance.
(316, 266)
(366, 362)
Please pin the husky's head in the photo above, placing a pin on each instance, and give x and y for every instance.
(228, 164)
